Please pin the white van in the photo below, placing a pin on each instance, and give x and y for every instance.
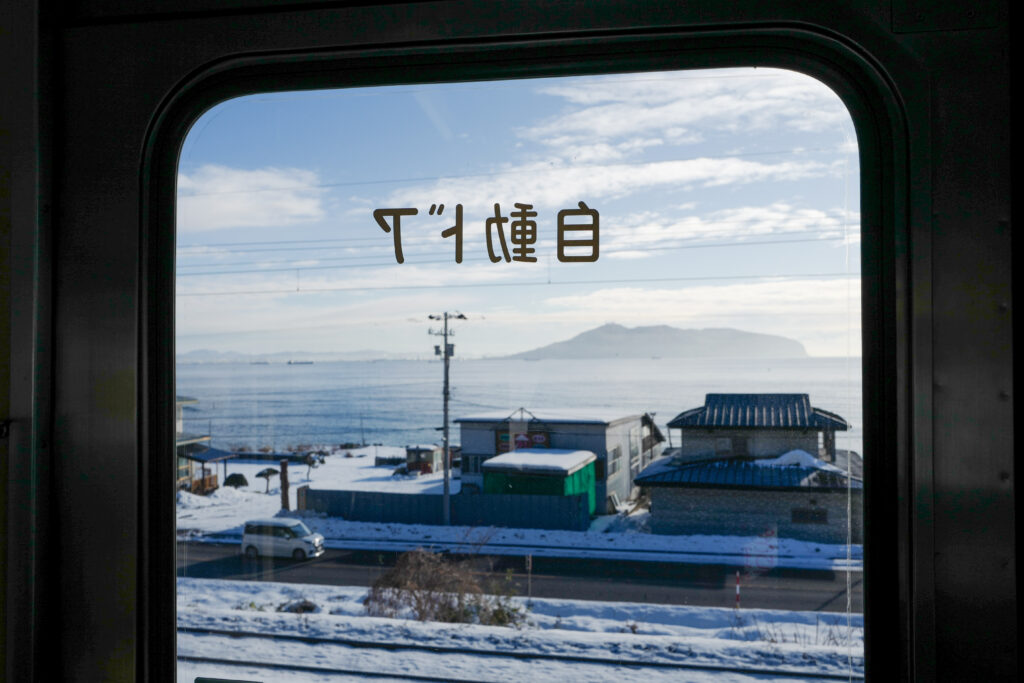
(280, 537)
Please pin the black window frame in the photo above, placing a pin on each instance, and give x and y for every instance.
(872, 107)
(93, 88)
(85, 86)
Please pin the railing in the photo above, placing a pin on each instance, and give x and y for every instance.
(203, 485)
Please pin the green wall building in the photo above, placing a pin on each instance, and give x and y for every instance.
(542, 471)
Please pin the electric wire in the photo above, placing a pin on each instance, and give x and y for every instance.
(537, 283)
(482, 259)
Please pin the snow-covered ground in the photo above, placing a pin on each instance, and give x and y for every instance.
(748, 639)
(220, 517)
(349, 469)
(621, 632)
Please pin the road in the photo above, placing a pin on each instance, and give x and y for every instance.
(591, 579)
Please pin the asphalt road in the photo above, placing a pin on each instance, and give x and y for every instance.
(579, 579)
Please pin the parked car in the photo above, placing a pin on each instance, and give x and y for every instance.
(280, 537)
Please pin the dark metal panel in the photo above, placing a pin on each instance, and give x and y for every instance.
(96, 368)
(973, 354)
(27, 573)
(184, 48)
(132, 10)
(118, 75)
(909, 16)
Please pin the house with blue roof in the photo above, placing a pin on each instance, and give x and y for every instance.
(756, 426)
(196, 459)
(755, 465)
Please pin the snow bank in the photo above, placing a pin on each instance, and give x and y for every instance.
(759, 638)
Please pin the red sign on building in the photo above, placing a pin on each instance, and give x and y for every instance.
(521, 440)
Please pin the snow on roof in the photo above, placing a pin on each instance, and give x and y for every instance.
(799, 458)
(796, 469)
(596, 416)
(276, 521)
(546, 460)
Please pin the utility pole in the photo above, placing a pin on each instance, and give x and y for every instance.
(446, 352)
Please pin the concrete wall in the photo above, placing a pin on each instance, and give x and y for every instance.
(512, 510)
(703, 444)
(617, 475)
(583, 437)
(736, 512)
(476, 439)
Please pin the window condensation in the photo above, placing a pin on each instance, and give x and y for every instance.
(642, 291)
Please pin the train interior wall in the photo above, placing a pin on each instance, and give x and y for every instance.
(82, 89)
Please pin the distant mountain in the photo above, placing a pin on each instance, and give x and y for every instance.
(662, 341)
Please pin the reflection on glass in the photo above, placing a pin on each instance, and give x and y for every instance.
(558, 366)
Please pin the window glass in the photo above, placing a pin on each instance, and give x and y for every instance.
(565, 367)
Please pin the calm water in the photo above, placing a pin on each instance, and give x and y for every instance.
(399, 402)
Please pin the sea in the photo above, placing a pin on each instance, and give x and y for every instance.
(400, 402)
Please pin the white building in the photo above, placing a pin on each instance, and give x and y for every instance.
(624, 445)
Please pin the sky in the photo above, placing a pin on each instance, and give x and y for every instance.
(725, 198)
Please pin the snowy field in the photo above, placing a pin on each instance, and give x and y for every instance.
(621, 633)
(220, 517)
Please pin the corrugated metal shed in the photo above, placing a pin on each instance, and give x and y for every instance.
(201, 454)
(758, 411)
(742, 474)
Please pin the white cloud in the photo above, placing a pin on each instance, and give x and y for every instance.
(682, 107)
(551, 184)
(636, 235)
(822, 313)
(217, 197)
(356, 281)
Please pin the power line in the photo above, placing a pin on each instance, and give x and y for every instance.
(477, 285)
(351, 243)
(804, 311)
(483, 259)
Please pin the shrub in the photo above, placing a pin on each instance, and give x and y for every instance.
(433, 588)
(299, 606)
(236, 479)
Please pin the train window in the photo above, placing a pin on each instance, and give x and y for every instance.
(551, 372)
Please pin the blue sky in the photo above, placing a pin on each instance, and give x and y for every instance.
(727, 198)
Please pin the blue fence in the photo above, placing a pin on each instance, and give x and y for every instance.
(485, 509)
